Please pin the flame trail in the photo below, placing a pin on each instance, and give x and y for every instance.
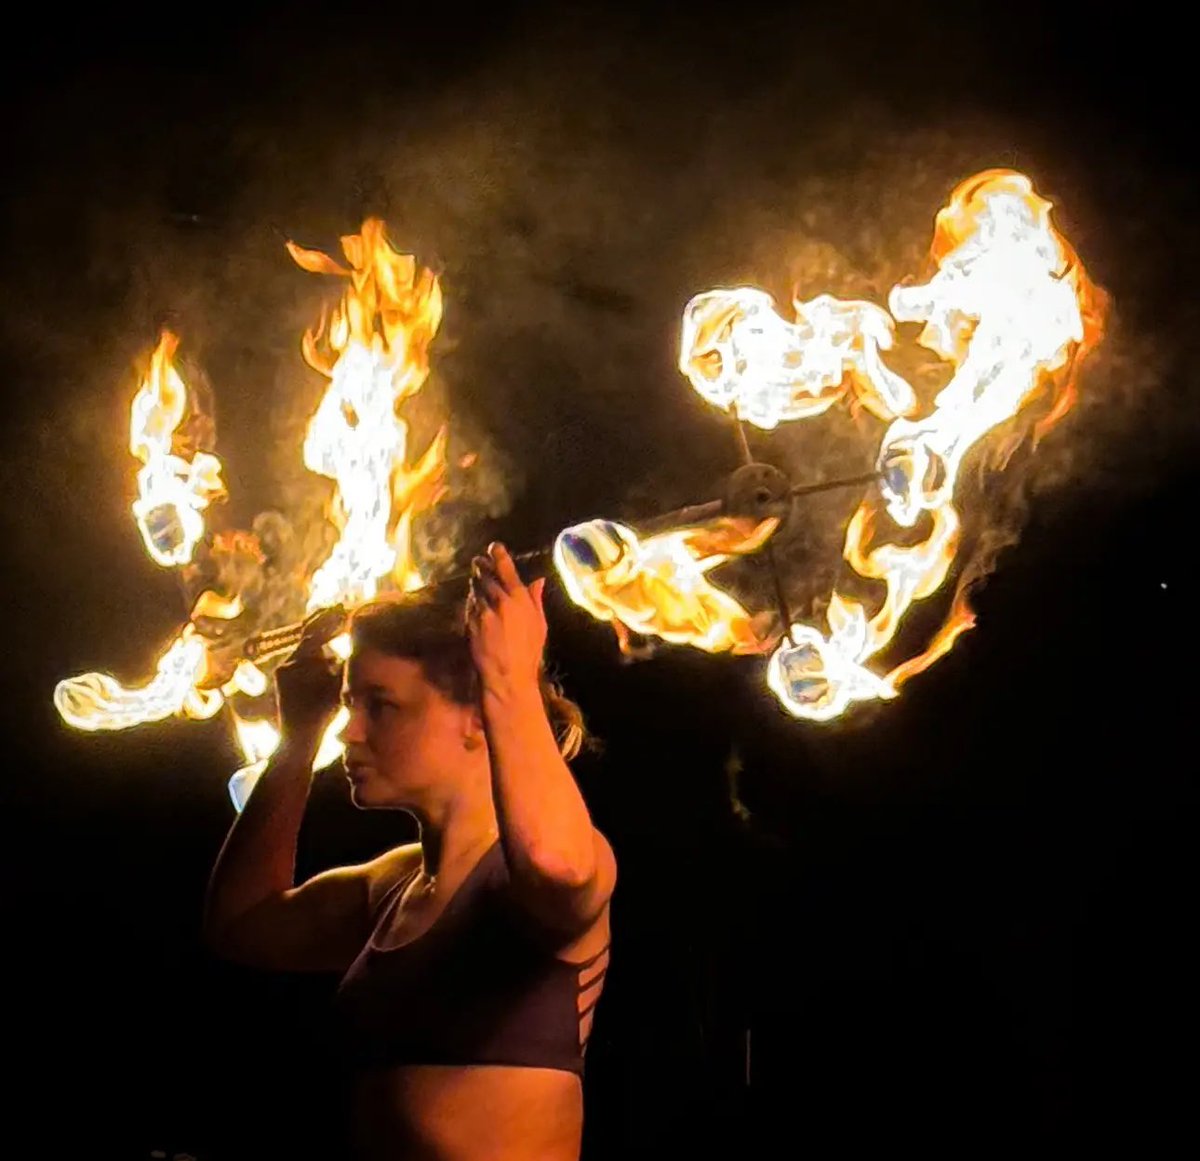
(175, 486)
(375, 353)
(657, 587)
(737, 352)
(374, 349)
(1013, 309)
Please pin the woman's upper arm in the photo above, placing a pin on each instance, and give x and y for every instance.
(321, 925)
(566, 911)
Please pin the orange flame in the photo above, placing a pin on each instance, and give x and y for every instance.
(175, 486)
(741, 355)
(1010, 306)
(173, 489)
(1013, 309)
(374, 348)
(183, 682)
(375, 352)
(657, 587)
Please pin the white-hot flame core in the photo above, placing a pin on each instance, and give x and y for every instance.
(738, 352)
(657, 586)
(172, 491)
(1006, 307)
(374, 355)
(174, 494)
(248, 679)
(356, 439)
(259, 739)
(97, 701)
(1000, 308)
(818, 678)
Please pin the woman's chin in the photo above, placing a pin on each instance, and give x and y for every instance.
(368, 795)
(369, 791)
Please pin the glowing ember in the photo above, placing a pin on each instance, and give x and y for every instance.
(739, 353)
(657, 587)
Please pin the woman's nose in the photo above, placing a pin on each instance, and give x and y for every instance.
(352, 732)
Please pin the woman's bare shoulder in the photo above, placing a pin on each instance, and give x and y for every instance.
(386, 870)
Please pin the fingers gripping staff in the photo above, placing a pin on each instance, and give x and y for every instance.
(308, 684)
(506, 623)
(307, 693)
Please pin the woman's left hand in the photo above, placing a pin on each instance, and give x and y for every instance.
(506, 625)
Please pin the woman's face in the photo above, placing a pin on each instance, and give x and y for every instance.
(403, 735)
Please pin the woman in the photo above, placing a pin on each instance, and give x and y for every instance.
(472, 959)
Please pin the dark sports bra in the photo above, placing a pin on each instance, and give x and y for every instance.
(476, 988)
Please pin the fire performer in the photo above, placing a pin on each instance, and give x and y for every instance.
(471, 960)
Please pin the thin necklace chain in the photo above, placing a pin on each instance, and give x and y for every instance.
(431, 881)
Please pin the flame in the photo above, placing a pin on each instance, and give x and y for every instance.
(739, 354)
(375, 352)
(259, 739)
(248, 679)
(182, 683)
(173, 488)
(1010, 306)
(97, 701)
(1013, 310)
(657, 587)
(175, 485)
(374, 349)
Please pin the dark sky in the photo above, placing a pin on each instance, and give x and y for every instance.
(959, 918)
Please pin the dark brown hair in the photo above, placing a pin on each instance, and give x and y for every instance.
(432, 631)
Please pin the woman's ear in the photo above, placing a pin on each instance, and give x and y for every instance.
(473, 735)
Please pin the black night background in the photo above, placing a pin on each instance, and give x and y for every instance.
(959, 922)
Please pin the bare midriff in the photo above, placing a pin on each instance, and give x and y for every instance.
(477, 1113)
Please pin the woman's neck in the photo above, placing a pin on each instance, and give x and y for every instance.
(445, 854)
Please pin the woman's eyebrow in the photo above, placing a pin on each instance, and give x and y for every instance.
(356, 688)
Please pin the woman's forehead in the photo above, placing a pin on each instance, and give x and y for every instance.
(370, 667)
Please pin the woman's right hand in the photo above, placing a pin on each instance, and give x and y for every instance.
(308, 684)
